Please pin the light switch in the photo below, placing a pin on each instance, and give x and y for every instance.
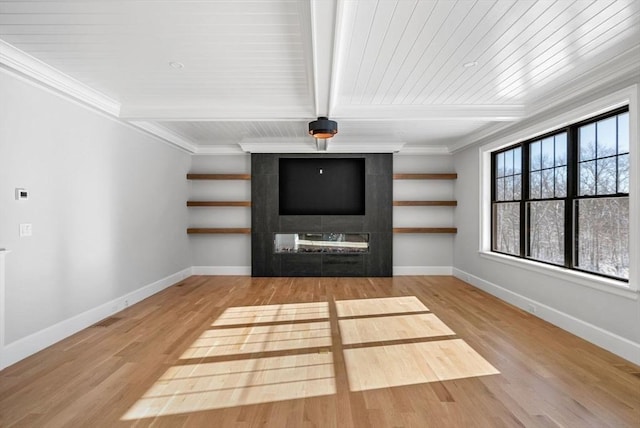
(25, 229)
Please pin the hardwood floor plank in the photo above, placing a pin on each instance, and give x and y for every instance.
(321, 352)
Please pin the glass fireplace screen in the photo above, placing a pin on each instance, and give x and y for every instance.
(331, 243)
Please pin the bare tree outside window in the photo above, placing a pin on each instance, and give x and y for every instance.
(602, 223)
(507, 228)
(603, 236)
(506, 209)
(547, 185)
(546, 235)
(564, 198)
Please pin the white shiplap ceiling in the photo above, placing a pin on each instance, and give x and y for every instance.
(254, 73)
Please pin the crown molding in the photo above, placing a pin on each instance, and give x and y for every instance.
(164, 134)
(219, 149)
(478, 135)
(278, 145)
(424, 150)
(23, 63)
(611, 72)
(607, 77)
(308, 145)
(364, 147)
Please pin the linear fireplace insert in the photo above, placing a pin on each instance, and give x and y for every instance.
(326, 243)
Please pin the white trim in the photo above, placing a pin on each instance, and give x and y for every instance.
(422, 270)
(219, 149)
(610, 74)
(282, 145)
(372, 146)
(163, 133)
(627, 96)
(71, 98)
(424, 150)
(563, 118)
(17, 60)
(619, 345)
(221, 270)
(3, 253)
(634, 188)
(307, 145)
(607, 285)
(22, 348)
(614, 70)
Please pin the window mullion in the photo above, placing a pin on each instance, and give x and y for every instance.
(570, 217)
(494, 162)
(524, 195)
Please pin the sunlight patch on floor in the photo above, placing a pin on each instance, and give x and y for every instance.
(246, 340)
(240, 359)
(273, 313)
(364, 330)
(413, 363)
(198, 387)
(369, 323)
(384, 305)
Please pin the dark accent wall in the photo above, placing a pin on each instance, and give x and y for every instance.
(266, 221)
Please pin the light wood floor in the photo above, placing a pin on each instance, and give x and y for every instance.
(321, 352)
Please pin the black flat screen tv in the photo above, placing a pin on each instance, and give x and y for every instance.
(322, 186)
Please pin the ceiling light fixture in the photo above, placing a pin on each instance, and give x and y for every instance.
(177, 65)
(323, 128)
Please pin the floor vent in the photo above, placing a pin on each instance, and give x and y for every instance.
(107, 322)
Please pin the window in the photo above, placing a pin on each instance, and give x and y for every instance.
(563, 198)
(506, 208)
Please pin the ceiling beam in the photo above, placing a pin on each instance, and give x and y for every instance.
(323, 28)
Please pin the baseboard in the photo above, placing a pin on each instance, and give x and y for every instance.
(397, 270)
(22, 348)
(221, 270)
(422, 270)
(620, 346)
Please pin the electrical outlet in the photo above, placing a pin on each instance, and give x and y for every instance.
(532, 308)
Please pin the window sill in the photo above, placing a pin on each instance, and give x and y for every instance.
(619, 288)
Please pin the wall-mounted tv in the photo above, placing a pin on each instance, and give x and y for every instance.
(322, 186)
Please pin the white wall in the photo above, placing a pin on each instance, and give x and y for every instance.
(220, 254)
(107, 205)
(603, 315)
(423, 254)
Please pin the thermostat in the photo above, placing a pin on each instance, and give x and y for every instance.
(22, 194)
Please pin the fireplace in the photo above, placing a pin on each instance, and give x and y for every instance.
(323, 243)
(318, 242)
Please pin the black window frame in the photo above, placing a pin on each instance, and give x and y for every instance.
(571, 244)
